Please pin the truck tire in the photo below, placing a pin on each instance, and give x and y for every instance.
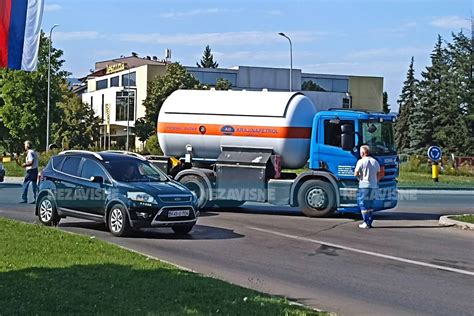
(199, 187)
(317, 198)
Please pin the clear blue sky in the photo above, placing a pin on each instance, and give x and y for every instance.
(366, 37)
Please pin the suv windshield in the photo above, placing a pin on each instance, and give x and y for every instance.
(134, 170)
(379, 137)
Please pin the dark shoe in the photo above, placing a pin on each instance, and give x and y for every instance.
(34, 202)
(23, 202)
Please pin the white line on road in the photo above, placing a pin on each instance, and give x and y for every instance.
(370, 253)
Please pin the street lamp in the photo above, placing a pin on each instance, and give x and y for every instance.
(291, 59)
(49, 85)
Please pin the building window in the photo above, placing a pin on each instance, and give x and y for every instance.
(210, 78)
(325, 84)
(102, 84)
(129, 80)
(114, 81)
(121, 105)
(332, 132)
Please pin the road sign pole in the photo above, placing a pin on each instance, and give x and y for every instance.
(435, 171)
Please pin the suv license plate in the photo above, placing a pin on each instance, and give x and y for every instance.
(179, 213)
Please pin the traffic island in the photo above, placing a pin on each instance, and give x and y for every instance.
(44, 270)
(465, 221)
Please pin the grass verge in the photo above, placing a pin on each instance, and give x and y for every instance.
(46, 271)
(421, 179)
(13, 170)
(465, 218)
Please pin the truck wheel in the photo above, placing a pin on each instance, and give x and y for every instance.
(117, 220)
(199, 187)
(47, 213)
(228, 203)
(317, 198)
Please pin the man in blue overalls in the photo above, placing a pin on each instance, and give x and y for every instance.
(368, 172)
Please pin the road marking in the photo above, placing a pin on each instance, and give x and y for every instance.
(365, 252)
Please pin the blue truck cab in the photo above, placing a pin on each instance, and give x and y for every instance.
(335, 142)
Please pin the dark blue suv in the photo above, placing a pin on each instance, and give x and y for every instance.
(121, 189)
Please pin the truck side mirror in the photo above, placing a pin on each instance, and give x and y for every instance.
(347, 137)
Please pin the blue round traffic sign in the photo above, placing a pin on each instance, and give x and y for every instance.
(434, 153)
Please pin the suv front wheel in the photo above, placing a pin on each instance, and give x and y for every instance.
(117, 220)
(47, 213)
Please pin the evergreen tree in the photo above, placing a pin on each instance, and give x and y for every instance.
(460, 53)
(432, 96)
(385, 105)
(407, 103)
(207, 60)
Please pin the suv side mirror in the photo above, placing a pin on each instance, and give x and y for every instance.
(97, 179)
(347, 137)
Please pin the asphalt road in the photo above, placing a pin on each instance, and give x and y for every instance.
(406, 265)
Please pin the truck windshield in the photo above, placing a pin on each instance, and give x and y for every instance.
(379, 137)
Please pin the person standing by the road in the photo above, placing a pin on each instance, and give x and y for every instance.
(31, 166)
(369, 173)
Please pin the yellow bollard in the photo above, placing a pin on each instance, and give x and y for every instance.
(435, 171)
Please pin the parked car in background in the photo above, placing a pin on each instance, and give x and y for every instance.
(2, 172)
(121, 189)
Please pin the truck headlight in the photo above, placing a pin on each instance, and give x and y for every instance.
(141, 197)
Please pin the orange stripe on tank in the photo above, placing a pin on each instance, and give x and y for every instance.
(234, 130)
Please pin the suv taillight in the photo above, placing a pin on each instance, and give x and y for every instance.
(40, 177)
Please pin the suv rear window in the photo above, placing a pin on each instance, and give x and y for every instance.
(71, 165)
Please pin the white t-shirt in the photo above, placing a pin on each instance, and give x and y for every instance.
(368, 168)
(32, 156)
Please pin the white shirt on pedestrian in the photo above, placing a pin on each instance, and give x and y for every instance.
(368, 168)
(32, 156)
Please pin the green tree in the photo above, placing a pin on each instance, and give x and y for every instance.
(160, 88)
(143, 129)
(207, 60)
(385, 105)
(461, 58)
(79, 127)
(24, 97)
(223, 84)
(432, 95)
(407, 103)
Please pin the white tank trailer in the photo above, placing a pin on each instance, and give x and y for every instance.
(211, 120)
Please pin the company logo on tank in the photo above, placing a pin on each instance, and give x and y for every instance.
(227, 130)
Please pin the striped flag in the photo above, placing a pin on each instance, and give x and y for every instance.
(20, 27)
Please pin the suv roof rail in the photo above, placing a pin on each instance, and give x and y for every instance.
(124, 152)
(96, 155)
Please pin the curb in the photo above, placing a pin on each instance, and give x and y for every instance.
(447, 221)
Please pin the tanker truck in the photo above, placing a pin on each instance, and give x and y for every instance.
(229, 147)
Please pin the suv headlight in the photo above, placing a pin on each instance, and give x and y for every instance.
(141, 197)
